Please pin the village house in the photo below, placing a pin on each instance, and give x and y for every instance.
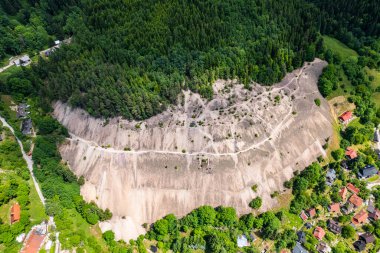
(299, 249)
(15, 213)
(375, 215)
(22, 110)
(242, 241)
(356, 200)
(348, 208)
(319, 233)
(311, 212)
(322, 247)
(303, 215)
(26, 126)
(334, 227)
(23, 61)
(330, 177)
(334, 208)
(352, 188)
(367, 171)
(351, 154)
(343, 193)
(364, 239)
(346, 117)
(360, 217)
(301, 237)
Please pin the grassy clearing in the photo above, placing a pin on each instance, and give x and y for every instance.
(36, 209)
(339, 48)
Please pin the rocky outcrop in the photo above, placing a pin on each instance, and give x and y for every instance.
(200, 152)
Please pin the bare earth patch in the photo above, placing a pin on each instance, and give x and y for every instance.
(199, 152)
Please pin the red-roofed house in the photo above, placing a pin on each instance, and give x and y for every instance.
(303, 215)
(360, 217)
(352, 188)
(350, 153)
(311, 212)
(356, 200)
(15, 213)
(319, 233)
(345, 117)
(343, 193)
(334, 208)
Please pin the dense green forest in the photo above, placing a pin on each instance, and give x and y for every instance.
(132, 58)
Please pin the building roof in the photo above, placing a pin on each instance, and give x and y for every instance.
(15, 212)
(303, 215)
(367, 237)
(33, 243)
(301, 236)
(367, 171)
(356, 200)
(360, 217)
(334, 207)
(25, 58)
(242, 241)
(359, 245)
(346, 116)
(26, 126)
(322, 247)
(334, 227)
(319, 233)
(343, 193)
(352, 188)
(351, 153)
(311, 212)
(374, 215)
(299, 249)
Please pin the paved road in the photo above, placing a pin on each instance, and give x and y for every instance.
(29, 162)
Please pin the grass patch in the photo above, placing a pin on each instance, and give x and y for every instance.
(373, 179)
(36, 209)
(339, 48)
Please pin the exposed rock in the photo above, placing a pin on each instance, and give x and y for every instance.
(200, 152)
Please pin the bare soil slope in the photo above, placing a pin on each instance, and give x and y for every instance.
(200, 152)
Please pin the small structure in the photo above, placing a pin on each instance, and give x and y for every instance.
(344, 164)
(346, 117)
(15, 213)
(352, 188)
(334, 227)
(319, 233)
(359, 245)
(360, 217)
(376, 137)
(367, 171)
(301, 237)
(57, 42)
(334, 208)
(343, 193)
(311, 212)
(351, 154)
(308, 225)
(299, 249)
(26, 126)
(303, 215)
(20, 238)
(356, 200)
(348, 208)
(242, 241)
(330, 177)
(322, 247)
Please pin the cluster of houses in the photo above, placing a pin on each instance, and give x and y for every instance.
(23, 113)
(351, 202)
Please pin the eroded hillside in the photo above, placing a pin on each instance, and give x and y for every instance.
(199, 152)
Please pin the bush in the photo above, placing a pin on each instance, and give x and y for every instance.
(255, 203)
(317, 101)
(348, 232)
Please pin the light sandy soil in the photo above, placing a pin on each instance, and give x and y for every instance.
(199, 152)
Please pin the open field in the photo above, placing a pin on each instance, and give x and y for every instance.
(339, 48)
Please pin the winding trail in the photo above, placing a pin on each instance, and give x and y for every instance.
(29, 163)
